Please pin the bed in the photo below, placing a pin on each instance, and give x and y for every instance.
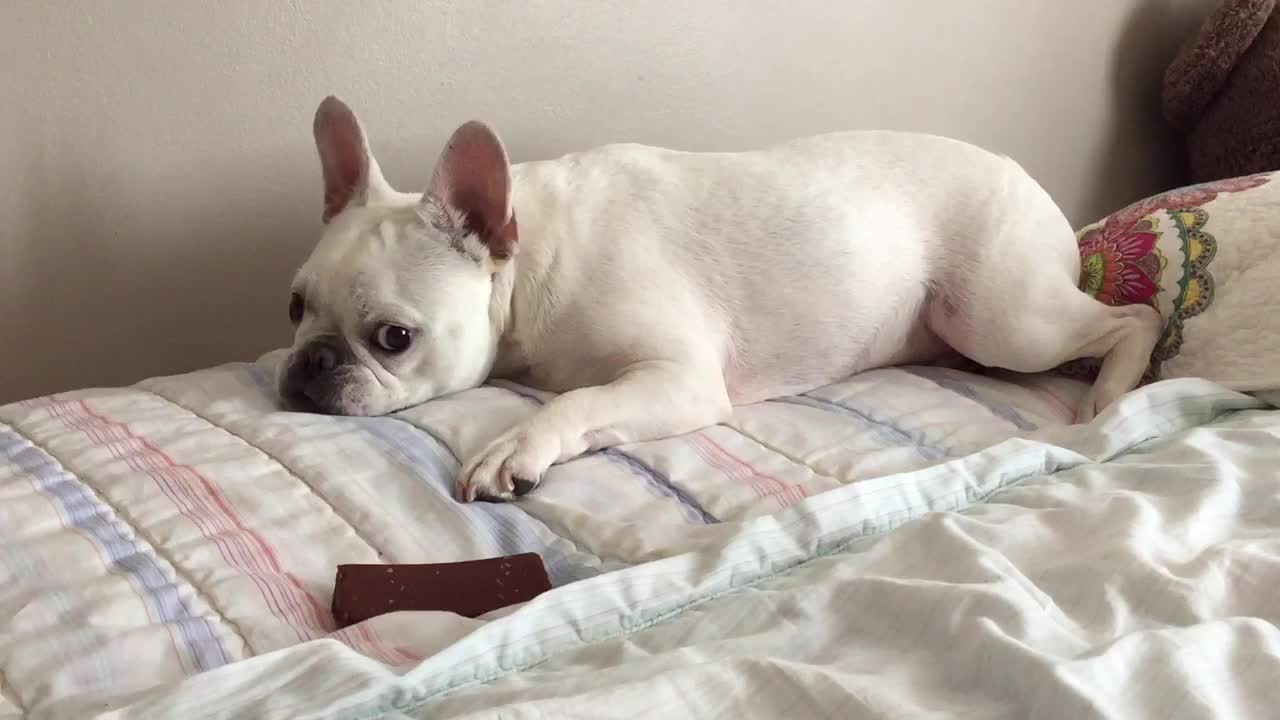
(911, 542)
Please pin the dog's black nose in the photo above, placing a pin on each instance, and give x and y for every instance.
(314, 376)
(319, 358)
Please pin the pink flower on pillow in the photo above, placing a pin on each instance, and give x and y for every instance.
(1114, 265)
(1187, 197)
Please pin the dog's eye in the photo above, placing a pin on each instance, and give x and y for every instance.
(296, 307)
(393, 338)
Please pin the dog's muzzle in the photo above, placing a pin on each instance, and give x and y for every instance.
(316, 376)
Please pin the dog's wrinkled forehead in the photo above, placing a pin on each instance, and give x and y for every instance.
(354, 266)
(386, 266)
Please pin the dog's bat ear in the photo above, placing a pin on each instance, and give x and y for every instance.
(472, 179)
(351, 175)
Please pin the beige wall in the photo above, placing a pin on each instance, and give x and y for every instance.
(159, 184)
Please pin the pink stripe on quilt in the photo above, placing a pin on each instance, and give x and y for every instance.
(207, 508)
(738, 469)
(1064, 410)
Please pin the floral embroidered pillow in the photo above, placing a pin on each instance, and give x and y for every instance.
(1161, 251)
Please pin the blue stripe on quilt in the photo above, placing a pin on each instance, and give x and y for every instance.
(691, 507)
(948, 381)
(887, 432)
(199, 645)
(658, 482)
(78, 647)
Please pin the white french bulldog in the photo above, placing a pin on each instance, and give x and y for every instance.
(656, 289)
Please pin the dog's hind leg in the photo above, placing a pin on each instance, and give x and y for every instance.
(1047, 324)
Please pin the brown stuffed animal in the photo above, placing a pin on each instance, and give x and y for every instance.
(1223, 92)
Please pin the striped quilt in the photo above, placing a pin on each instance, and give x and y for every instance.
(153, 533)
(163, 530)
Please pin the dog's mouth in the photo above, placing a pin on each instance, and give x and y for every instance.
(298, 401)
(328, 394)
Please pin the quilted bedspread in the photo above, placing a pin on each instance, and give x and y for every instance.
(157, 532)
(914, 541)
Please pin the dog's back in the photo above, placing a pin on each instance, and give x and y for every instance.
(758, 258)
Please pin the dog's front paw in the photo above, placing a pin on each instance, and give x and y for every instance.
(510, 466)
(1098, 398)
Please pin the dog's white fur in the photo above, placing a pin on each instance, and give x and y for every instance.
(655, 289)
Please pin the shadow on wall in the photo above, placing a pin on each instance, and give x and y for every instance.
(1148, 43)
(112, 304)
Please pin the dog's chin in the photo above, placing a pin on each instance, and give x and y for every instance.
(326, 397)
(386, 406)
(321, 403)
(349, 391)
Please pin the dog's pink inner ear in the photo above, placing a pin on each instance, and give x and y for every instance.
(473, 176)
(344, 155)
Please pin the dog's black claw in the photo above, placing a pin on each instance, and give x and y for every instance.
(523, 487)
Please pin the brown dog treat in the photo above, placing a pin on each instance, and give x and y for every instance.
(470, 588)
